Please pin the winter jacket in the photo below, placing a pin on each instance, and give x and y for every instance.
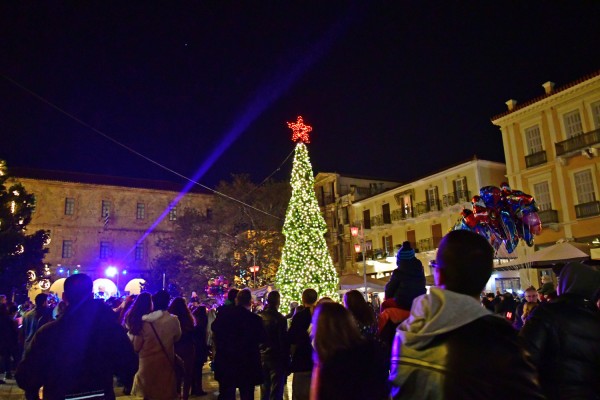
(155, 378)
(452, 348)
(78, 353)
(299, 339)
(406, 283)
(237, 335)
(276, 350)
(358, 373)
(563, 337)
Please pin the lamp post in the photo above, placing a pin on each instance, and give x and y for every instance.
(254, 269)
(358, 247)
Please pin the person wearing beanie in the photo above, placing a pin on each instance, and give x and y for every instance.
(408, 280)
(563, 336)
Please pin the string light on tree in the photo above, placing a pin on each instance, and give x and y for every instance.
(305, 259)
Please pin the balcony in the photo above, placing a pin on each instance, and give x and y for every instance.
(401, 214)
(425, 207)
(548, 217)
(534, 159)
(578, 142)
(428, 244)
(585, 210)
(460, 196)
(377, 220)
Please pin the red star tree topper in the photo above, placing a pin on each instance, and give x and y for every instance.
(300, 131)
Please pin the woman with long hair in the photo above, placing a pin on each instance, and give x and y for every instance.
(140, 307)
(153, 334)
(346, 365)
(362, 313)
(184, 347)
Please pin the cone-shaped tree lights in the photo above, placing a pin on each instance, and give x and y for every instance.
(305, 260)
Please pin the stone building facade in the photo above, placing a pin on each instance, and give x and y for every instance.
(100, 221)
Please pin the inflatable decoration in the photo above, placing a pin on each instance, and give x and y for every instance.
(502, 215)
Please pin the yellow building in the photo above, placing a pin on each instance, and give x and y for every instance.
(419, 212)
(99, 221)
(335, 194)
(551, 148)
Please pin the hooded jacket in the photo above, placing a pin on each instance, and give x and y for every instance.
(452, 348)
(563, 337)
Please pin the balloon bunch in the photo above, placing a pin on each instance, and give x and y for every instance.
(217, 287)
(502, 215)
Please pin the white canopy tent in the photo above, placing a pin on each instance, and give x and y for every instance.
(560, 252)
(350, 282)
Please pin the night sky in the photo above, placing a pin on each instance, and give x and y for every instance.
(393, 89)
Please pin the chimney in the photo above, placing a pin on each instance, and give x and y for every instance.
(511, 104)
(548, 87)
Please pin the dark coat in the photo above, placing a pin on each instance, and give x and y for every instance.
(78, 353)
(276, 349)
(359, 373)
(563, 339)
(300, 341)
(237, 336)
(406, 283)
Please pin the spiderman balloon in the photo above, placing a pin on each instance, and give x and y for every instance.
(502, 215)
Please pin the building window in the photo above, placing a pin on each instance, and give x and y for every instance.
(573, 125)
(173, 214)
(460, 188)
(140, 211)
(69, 206)
(433, 201)
(387, 215)
(105, 250)
(596, 114)
(534, 139)
(367, 219)
(67, 249)
(105, 208)
(584, 187)
(542, 196)
(139, 252)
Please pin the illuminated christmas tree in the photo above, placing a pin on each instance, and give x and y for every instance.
(305, 260)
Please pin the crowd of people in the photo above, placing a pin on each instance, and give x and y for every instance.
(445, 343)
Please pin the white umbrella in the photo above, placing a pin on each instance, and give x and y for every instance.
(106, 287)
(134, 286)
(58, 287)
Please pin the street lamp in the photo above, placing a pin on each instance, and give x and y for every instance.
(358, 247)
(254, 269)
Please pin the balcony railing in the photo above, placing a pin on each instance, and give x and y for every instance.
(590, 209)
(460, 196)
(425, 207)
(534, 159)
(428, 244)
(377, 220)
(578, 142)
(400, 214)
(548, 217)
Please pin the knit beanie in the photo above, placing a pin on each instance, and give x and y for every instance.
(406, 252)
